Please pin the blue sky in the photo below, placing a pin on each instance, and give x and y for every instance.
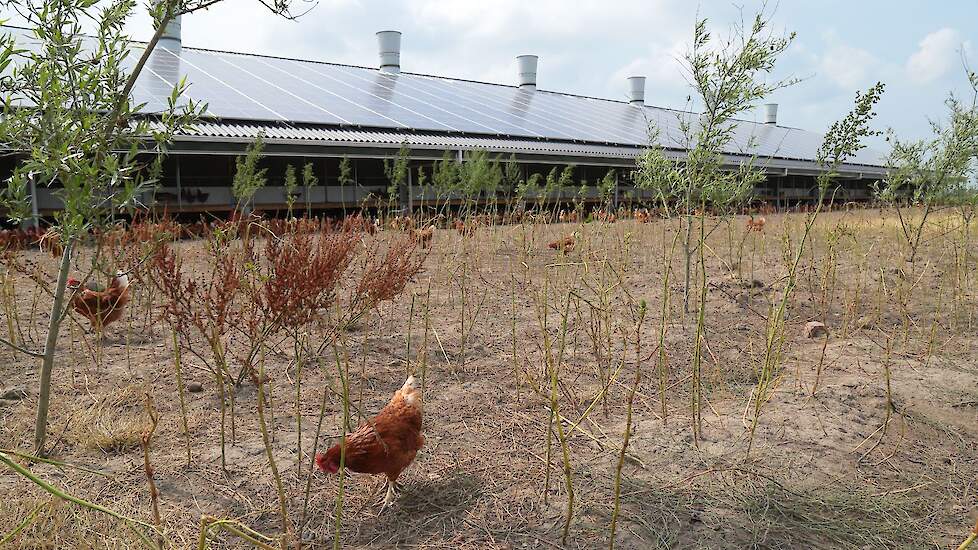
(590, 46)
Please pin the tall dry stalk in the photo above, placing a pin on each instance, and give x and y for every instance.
(181, 390)
(145, 440)
(312, 469)
(554, 367)
(696, 393)
(663, 358)
(343, 371)
(516, 372)
(626, 437)
(424, 341)
(841, 142)
(258, 378)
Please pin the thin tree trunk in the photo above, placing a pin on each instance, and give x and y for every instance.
(918, 234)
(50, 346)
(688, 253)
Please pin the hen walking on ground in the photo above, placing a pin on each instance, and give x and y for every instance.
(385, 445)
(100, 306)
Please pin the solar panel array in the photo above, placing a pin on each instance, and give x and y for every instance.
(258, 88)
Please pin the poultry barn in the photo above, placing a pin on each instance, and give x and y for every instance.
(265, 302)
(318, 113)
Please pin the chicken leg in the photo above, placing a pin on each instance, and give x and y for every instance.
(391, 495)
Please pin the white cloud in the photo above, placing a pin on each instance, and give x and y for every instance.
(507, 19)
(663, 67)
(847, 66)
(936, 55)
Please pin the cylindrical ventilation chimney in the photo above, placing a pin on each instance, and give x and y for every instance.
(527, 65)
(389, 46)
(636, 90)
(771, 113)
(170, 39)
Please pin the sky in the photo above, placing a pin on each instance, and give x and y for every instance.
(589, 47)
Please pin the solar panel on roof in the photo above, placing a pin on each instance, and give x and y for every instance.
(258, 88)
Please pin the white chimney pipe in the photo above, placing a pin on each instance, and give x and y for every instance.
(389, 46)
(771, 113)
(171, 39)
(636, 90)
(527, 65)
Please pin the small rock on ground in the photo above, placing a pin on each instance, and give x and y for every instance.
(864, 322)
(815, 329)
(14, 394)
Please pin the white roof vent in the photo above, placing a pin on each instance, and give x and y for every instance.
(527, 65)
(771, 113)
(389, 46)
(636, 90)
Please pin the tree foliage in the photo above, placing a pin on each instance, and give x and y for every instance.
(479, 175)
(941, 169)
(927, 171)
(70, 117)
(397, 171)
(728, 79)
(248, 177)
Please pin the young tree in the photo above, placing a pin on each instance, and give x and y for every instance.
(68, 110)
(840, 144)
(728, 79)
(607, 187)
(931, 171)
(479, 176)
(291, 184)
(512, 175)
(248, 177)
(397, 171)
(566, 186)
(346, 179)
(309, 180)
(445, 176)
(551, 186)
(529, 187)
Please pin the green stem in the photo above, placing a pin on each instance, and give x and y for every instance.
(260, 382)
(628, 427)
(235, 528)
(50, 347)
(344, 374)
(131, 523)
(181, 389)
(23, 524)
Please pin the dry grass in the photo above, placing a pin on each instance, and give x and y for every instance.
(479, 481)
(112, 423)
(59, 524)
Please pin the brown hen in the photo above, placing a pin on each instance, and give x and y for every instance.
(385, 445)
(101, 306)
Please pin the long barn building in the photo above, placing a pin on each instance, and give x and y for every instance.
(319, 113)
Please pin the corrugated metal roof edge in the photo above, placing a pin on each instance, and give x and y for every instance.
(246, 131)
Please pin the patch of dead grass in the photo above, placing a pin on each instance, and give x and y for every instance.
(112, 425)
(59, 524)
